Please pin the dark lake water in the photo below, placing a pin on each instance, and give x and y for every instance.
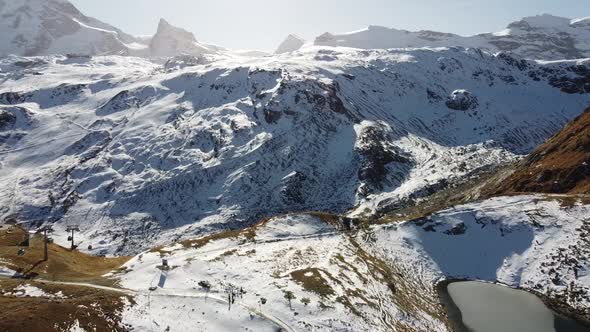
(487, 307)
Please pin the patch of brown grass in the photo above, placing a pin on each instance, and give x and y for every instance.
(63, 264)
(560, 165)
(94, 309)
(328, 218)
(245, 235)
(313, 281)
(12, 235)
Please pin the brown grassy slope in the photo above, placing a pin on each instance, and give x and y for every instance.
(12, 235)
(94, 309)
(561, 165)
(63, 264)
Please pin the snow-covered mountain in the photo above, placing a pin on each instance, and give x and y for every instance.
(41, 27)
(544, 37)
(171, 41)
(290, 44)
(45, 27)
(141, 153)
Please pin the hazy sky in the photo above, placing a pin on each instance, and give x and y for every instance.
(263, 24)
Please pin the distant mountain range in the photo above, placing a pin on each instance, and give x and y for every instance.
(543, 37)
(46, 27)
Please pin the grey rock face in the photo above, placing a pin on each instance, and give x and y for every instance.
(462, 100)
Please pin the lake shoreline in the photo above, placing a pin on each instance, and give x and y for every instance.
(564, 316)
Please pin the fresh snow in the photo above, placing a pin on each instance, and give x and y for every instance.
(293, 226)
(521, 241)
(158, 311)
(76, 327)
(6, 272)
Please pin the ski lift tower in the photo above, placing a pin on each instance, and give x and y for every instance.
(72, 229)
(45, 230)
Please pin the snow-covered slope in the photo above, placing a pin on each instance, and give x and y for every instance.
(381, 278)
(172, 41)
(544, 37)
(336, 285)
(140, 153)
(38, 27)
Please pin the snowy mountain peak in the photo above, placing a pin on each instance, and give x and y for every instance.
(581, 22)
(171, 41)
(546, 21)
(164, 27)
(380, 28)
(290, 44)
(28, 4)
(42, 27)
